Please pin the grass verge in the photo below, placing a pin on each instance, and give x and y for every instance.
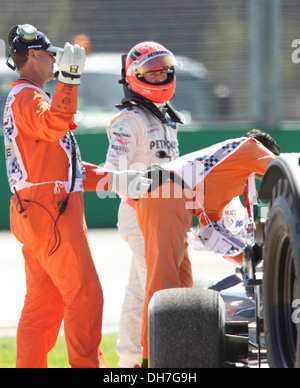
(57, 357)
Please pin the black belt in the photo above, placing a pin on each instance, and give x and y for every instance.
(159, 176)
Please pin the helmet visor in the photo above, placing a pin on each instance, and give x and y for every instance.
(155, 61)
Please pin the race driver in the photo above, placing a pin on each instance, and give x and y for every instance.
(202, 184)
(46, 177)
(144, 132)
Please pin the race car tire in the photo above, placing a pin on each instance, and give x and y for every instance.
(186, 329)
(281, 280)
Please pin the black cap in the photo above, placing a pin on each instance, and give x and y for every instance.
(27, 37)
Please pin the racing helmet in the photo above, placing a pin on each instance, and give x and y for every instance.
(146, 57)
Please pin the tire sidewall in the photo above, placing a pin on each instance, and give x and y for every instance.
(281, 223)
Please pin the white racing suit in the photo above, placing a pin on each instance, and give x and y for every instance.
(137, 140)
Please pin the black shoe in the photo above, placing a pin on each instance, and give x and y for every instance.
(145, 363)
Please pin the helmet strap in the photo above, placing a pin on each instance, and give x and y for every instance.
(9, 64)
(151, 108)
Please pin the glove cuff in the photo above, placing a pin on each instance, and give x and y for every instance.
(65, 98)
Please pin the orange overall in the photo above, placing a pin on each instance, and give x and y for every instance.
(61, 278)
(165, 222)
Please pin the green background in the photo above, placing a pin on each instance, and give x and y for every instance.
(102, 213)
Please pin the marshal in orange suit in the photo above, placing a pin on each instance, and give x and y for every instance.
(47, 178)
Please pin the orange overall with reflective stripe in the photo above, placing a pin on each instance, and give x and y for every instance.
(61, 279)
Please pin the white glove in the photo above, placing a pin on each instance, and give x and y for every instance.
(70, 63)
(130, 184)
